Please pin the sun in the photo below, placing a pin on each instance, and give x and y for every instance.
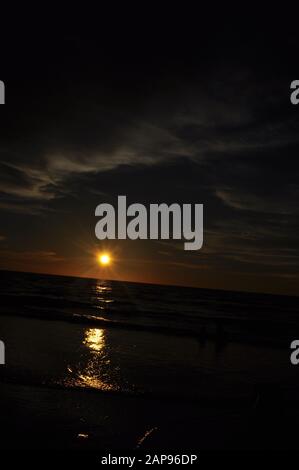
(104, 259)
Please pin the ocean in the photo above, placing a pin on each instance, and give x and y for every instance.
(90, 359)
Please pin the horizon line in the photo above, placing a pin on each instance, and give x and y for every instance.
(152, 283)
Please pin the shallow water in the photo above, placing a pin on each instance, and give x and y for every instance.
(54, 353)
(184, 360)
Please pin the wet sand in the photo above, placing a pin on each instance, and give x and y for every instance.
(40, 418)
(71, 387)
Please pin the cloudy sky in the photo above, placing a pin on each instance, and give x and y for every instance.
(188, 116)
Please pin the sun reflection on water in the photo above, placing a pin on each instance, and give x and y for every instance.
(91, 381)
(103, 295)
(92, 375)
(94, 339)
(94, 369)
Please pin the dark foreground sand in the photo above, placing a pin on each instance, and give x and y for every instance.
(41, 418)
(69, 386)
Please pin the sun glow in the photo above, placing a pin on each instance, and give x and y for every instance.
(104, 259)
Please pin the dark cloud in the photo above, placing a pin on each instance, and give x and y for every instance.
(199, 120)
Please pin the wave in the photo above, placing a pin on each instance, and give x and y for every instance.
(216, 329)
(199, 313)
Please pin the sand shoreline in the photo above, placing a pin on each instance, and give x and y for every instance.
(39, 418)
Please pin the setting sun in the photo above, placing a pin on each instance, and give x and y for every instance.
(104, 259)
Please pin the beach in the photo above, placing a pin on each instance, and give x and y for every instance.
(126, 383)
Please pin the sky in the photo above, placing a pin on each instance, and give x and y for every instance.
(186, 115)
